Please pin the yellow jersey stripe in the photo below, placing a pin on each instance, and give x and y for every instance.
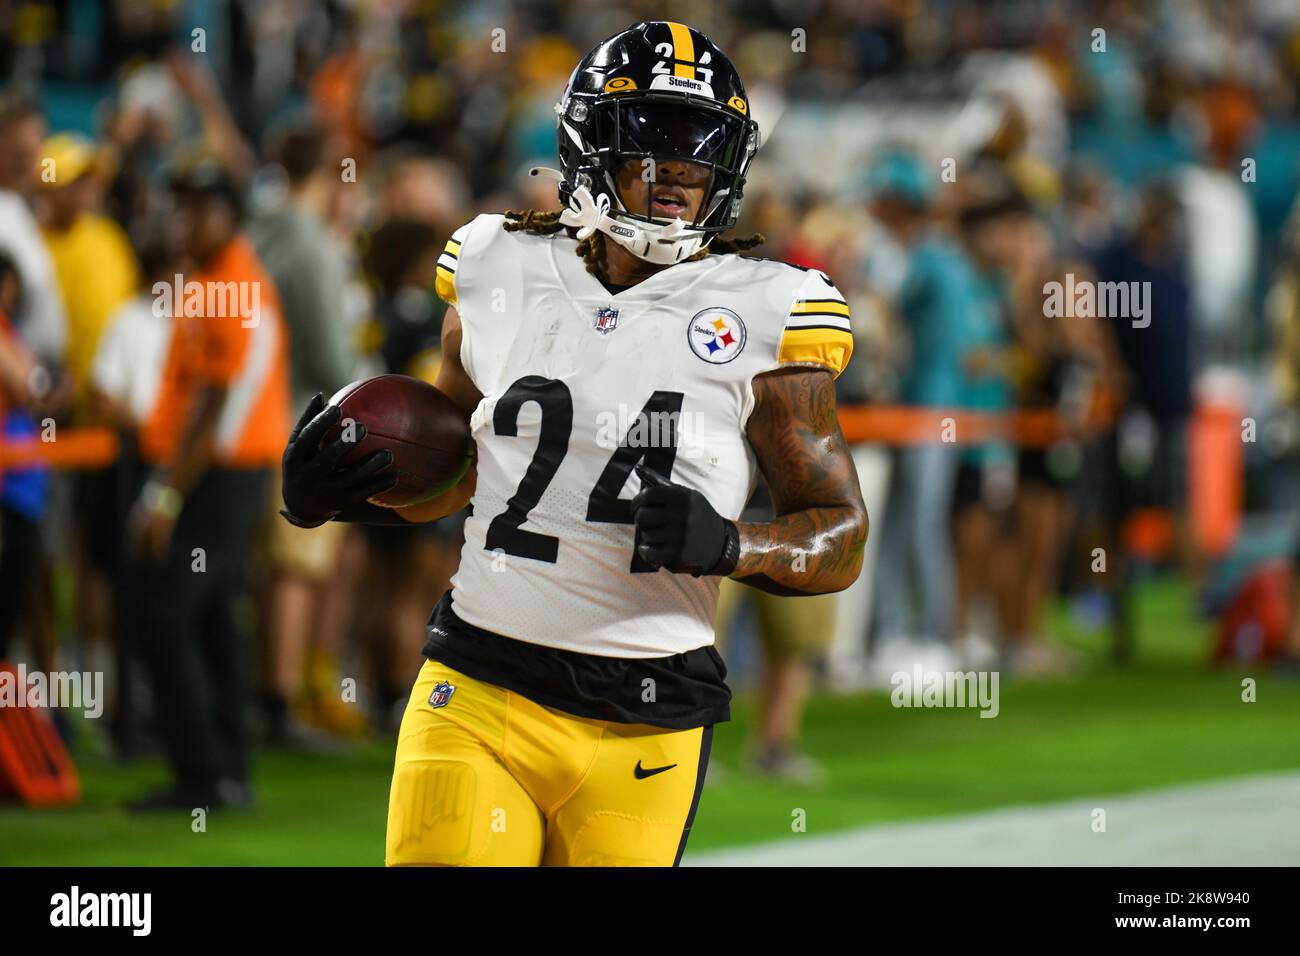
(830, 347)
(449, 256)
(683, 49)
(820, 306)
(444, 283)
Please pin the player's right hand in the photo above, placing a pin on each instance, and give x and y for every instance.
(315, 486)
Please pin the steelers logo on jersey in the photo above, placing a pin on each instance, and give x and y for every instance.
(716, 335)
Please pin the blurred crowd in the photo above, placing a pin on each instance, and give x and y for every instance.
(943, 160)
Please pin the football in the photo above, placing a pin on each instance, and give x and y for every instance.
(423, 428)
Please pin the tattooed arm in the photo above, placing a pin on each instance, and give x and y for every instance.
(814, 544)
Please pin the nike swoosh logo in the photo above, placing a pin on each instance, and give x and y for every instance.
(642, 772)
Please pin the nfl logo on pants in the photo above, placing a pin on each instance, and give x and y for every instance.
(441, 694)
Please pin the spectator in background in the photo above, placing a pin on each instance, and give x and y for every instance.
(1220, 225)
(38, 316)
(16, 363)
(1157, 358)
(793, 633)
(96, 273)
(93, 262)
(933, 303)
(426, 188)
(1059, 368)
(1283, 306)
(986, 476)
(126, 371)
(216, 431)
(409, 568)
(311, 269)
(19, 539)
(125, 377)
(1150, 451)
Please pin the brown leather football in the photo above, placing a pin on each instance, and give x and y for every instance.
(423, 428)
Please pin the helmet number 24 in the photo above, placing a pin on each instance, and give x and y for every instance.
(702, 71)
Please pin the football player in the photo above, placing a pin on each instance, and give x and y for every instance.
(626, 374)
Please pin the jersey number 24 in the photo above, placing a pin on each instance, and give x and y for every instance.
(603, 504)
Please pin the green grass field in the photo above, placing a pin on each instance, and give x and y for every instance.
(1164, 720)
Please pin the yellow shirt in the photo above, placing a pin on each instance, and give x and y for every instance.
(97, 273)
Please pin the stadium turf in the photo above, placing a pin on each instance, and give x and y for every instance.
(1163, 720)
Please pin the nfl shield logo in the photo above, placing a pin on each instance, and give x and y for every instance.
(441, 694)
(606, 320)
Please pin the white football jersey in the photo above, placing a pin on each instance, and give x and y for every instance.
(579, 386)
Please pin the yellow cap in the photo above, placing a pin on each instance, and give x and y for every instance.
(65, 158)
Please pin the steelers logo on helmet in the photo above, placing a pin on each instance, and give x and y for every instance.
(716, 335)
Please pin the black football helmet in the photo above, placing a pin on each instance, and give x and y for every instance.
(658, 90)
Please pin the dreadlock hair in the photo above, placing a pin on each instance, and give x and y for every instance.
(548, 223)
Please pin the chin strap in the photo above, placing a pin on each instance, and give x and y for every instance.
(653, 242)
(585, 212)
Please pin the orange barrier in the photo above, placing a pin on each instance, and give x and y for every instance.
(72, 448)
(34, 764)
(897, 425)
(881, 424)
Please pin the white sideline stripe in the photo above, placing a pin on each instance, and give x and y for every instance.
(1243, 821)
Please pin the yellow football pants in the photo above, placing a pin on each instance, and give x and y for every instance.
(490, 778)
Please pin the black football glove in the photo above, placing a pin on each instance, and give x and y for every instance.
(679, 530)
(315, 488)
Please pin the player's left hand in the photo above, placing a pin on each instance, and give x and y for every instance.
(679, 530)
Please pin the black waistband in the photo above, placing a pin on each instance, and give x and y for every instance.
(678, 692)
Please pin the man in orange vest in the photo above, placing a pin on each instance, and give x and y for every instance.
(216, 430)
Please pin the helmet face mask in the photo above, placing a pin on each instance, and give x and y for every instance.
(650, 130)
(636, 99)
